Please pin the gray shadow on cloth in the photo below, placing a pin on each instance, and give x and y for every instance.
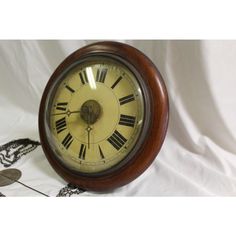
(52, 52)
(183, 60)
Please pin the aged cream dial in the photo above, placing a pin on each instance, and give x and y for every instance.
(96, 115)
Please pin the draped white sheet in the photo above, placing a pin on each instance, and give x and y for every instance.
(198, 157)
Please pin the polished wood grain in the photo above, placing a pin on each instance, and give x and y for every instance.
(158, 123)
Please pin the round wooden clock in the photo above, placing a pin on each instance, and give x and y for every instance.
(103, 116)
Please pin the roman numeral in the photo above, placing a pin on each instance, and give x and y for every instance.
(117, 81)
(82, 152)
(117, 140)
(70, 89)
(127, 120)
(83, 77)
(101, 75)
(61, 106)
(126, 99)
(67, 141)
(101, 153)
(61, 125)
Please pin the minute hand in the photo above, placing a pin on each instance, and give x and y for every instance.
(65, 113)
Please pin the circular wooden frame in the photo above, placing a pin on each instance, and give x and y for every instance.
(159, 114)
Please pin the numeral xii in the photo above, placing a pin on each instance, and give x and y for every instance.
(101, 75)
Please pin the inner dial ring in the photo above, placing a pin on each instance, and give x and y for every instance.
(102, 114)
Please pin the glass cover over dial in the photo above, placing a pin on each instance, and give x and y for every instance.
(95, 115)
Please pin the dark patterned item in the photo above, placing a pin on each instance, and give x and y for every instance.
(69, 190)
(14, 150)
(2, 195)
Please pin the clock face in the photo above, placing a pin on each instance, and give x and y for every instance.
(95, 115)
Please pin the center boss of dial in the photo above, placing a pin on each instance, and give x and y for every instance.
(98, 108)
(90, 111)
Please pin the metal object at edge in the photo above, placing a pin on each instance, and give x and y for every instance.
(9, 176)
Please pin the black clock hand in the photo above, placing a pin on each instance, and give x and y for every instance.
(89, 127)
(66, 113)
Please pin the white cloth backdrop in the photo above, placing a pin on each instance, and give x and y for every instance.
(198, 157)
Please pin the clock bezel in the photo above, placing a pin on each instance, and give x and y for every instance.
(146, 153)
(145, 96)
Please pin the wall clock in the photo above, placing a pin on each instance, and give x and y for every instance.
(103, 116)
